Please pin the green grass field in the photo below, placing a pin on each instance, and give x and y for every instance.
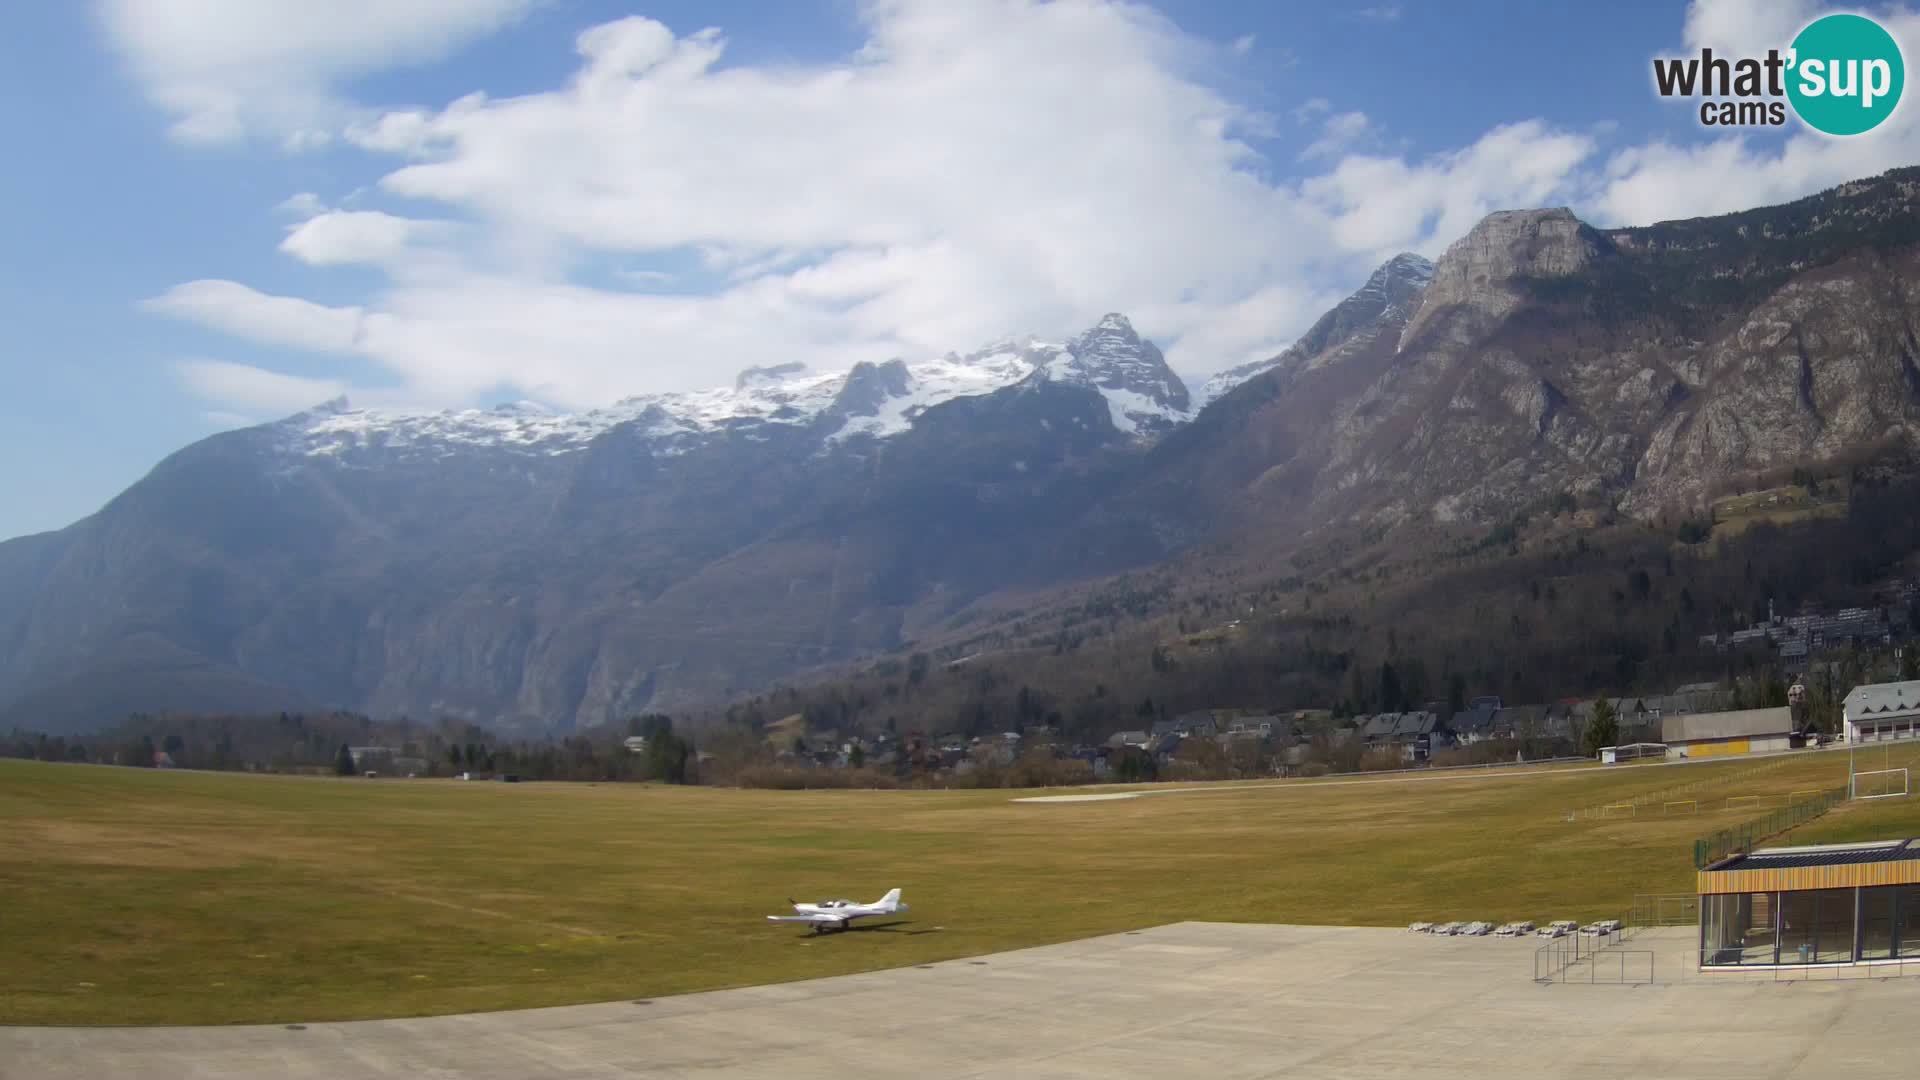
(140, 897)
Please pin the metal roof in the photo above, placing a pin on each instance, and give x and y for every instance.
(1739, 724)
(1381, 725)
(1881, 699)
(1415, 723)
(1828, 855)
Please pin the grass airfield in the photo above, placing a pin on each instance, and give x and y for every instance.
(131, 896)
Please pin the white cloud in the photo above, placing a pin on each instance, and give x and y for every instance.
(247, 390)
(1312, 109)
(1738, 28)
(339, 237)
(1384, 204)
(304, 204)
(233, 308)
(1338, 134)
(1382, 13)
(1663, 180)
(955, 179)
(227, 68)
(912, 198)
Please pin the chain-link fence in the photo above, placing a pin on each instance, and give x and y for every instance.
(1713, 847)
(1654, 801)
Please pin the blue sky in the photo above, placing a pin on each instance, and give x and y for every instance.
(219, 211)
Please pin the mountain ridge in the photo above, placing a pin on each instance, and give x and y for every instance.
(524, 567)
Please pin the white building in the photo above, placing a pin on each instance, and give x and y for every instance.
(1881, 711)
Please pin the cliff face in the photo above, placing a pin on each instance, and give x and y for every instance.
(1478, 282)
(1648, 367)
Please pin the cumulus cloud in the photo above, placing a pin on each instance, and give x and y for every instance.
(233, 308)
(339, 237)
(1745, 27)
(1381, 204)
(250, 391)
(1663, 180)
(227, 68)
(974, 169)
(956, 179)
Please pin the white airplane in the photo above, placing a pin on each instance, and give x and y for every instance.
(830, 915)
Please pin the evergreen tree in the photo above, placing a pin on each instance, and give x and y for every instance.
(666, 757)
(1392, 697)
(343, 763)
(1604, 728)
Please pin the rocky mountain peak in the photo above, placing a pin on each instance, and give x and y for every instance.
(1479, 270)
(1389, 294)
(1145, 395)
(1404, 267)
(869, 386)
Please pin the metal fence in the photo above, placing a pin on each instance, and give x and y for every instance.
(1553, 959)
(1674, 909)
(1711, 848)
(1614, 967)
(1647, 801)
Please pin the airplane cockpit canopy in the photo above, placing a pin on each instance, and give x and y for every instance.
(836, 903)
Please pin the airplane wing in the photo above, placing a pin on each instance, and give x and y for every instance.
(813, 920)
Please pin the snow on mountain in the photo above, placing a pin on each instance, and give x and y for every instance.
(1146, 397)
(930, 382)
(868, 401)
(1389, 296)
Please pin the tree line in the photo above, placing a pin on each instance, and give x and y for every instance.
(320, 743)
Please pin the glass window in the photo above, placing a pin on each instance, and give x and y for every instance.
(1755, 927)
(1833, 926)
(1722, 921)
(1876, 923)
(1908, 915)
(1797, 916)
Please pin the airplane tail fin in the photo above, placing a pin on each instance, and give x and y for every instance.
(892, 900)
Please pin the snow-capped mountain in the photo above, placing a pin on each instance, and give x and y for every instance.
(874, 401)
(1146, 397)
(1390, 294)
(521, 567)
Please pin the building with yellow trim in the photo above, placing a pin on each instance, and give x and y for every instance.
(1794, 906)
(1715, 734)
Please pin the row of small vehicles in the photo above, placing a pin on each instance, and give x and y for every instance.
(1523, 928)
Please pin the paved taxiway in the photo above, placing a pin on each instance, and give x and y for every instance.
(1191, 999)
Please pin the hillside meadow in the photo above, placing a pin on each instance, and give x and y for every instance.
(133, 896)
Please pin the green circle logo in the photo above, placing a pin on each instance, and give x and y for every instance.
(1846, 74)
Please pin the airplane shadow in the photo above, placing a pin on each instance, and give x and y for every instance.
(898, 926)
